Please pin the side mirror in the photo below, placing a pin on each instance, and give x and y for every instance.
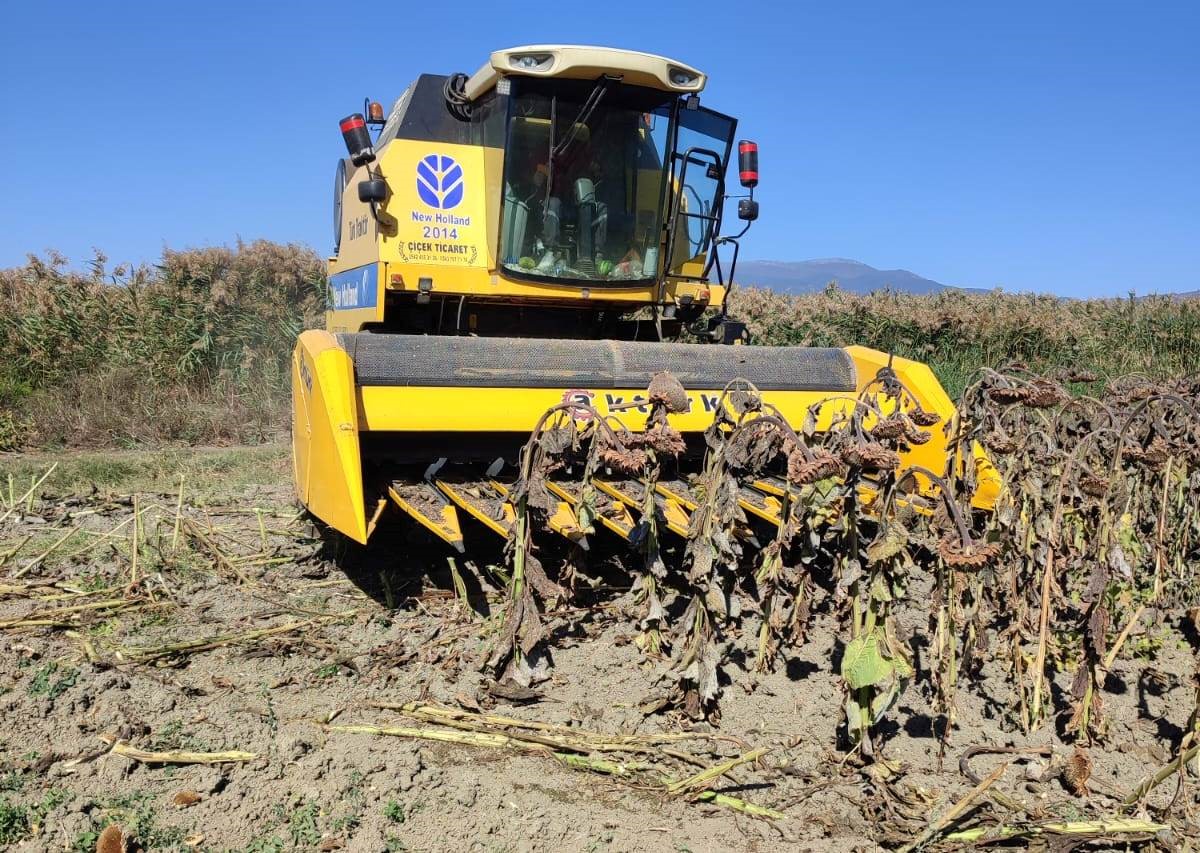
(358, 141)
(747, 209)
(373, 191)
(748, 164)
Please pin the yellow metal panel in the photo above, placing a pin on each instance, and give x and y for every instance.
(676, 517)
(766, 507)
(677, 494)
(443, 409)
(771, 486)
(359, 242)
(440, 222)
(924, 385)
(325, 453)
(493, 172)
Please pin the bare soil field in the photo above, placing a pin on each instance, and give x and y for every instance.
(156, 609)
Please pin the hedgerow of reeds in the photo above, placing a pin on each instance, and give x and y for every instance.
(956, 332)
(192, 349)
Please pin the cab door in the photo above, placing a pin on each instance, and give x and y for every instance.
(700, 154)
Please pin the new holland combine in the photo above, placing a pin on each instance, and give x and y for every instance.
(548, 231)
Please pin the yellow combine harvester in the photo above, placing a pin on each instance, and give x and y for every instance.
(544, 230)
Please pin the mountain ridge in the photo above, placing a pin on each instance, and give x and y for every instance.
(814, 275)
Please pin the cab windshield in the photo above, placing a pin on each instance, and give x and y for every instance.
(583, 180)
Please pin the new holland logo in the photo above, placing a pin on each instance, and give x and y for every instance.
(440, 182)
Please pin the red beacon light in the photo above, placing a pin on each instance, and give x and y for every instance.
(748, 173)
(358, 140)
(748, 163)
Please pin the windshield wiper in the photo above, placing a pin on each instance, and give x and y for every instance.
(585, 112)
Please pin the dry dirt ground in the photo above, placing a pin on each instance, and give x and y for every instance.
(236, 629)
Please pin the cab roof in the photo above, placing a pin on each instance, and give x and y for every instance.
(581, 62)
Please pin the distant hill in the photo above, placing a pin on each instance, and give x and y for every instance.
(812, 276)
(855, 277)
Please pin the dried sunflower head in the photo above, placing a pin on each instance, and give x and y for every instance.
(969, 554)
(890, 428)
(1044, 395)
(666, 390)
(803, 471)
(871, 456)
(662, 439)
(624, 459)
(753, 446)
(1007, 396)
(1091, 484)
(621, 454)
(999, 442)
(1076, 771)
(742, 401)
(916, 436)
(920, 417)
(111, 840)
(1153, 456)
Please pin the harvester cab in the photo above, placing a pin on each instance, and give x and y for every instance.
(541, 232)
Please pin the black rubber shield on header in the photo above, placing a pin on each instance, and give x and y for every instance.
(419, 360)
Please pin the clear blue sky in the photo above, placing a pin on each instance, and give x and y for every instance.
(1037, 146)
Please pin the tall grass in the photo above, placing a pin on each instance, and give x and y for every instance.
(195, 348)
(956, 332)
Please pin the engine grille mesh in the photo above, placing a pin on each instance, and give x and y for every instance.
(420, 360)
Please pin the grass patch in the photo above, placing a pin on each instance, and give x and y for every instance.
(302, 826)
(20, 821)
(14, 822)
(208, 472)
(394, 812)
(136, 814)
(52, 681)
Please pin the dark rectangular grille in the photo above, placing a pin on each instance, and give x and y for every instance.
(421, 360)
